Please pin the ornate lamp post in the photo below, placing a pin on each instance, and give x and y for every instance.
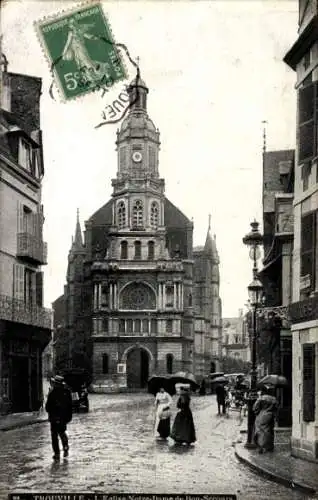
(255, 291)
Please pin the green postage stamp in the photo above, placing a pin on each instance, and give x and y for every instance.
(81, 50)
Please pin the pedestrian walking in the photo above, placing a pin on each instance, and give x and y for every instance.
(163, 404)
(183, 430)
(220, 398)
(265, 409)
(59, 409)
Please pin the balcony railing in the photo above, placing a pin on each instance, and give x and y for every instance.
(16, 310)
(31, 247)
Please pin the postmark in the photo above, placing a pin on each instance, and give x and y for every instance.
(81, 50)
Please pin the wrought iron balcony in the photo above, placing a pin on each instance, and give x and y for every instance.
(18, 311)
(284, 225)
(32, 248)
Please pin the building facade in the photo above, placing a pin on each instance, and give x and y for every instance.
(275, 340)
(25, 325)
(303, 59)
(235, 338)
(207, 307)
(132, 291)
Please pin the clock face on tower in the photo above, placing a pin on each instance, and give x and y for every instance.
(137, 156)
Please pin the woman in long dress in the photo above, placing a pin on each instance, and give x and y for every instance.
(183, 430)
(265, 409)
(163, 404)
(75, 49)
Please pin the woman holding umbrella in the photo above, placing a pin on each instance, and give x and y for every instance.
(163, 403)
(265, 409)
(183, 431)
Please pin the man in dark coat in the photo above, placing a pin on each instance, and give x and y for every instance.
(59, 408)
(220, 398)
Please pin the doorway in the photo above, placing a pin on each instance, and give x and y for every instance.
(20, 384)
(137, 368)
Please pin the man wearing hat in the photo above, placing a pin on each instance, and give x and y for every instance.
(59, 408)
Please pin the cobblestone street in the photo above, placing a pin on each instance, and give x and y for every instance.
(112, 449)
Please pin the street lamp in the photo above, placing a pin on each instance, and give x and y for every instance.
(255, 291)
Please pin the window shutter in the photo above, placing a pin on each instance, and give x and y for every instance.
(19, 217)
(307, 122)
(39, 288)
(18, 282)
(308, 247)
(309, 388)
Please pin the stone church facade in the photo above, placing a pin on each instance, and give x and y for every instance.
(134, 285)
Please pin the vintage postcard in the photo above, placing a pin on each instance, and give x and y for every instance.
(158, 250)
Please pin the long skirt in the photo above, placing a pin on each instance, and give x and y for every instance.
(183, 430)
(264, 430)
(164, 427)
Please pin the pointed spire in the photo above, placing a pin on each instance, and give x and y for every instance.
(210, 243)
(208, 247)
(78, 240)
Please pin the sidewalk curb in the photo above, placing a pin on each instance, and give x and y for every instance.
(294, 485)
(19, 425)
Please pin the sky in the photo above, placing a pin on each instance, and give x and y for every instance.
(215, 71)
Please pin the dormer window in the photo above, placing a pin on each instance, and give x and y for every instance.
(25, 155)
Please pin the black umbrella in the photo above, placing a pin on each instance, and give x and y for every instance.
(273, 380)
(219, 380)
(157, 381)
(185, 378)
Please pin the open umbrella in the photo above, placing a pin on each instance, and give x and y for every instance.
(273, 380)
(184, 378)
(157, 381)
(215, 374)
(219, 380)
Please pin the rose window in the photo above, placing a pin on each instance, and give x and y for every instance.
(137, 296)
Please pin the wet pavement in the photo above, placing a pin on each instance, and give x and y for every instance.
(112, 449)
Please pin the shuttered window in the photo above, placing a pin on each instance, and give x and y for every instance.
(307, 122)
(308, 248)
(39, 289)
(19, 282)
(309, 387)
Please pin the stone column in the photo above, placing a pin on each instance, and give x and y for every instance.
(115, 296)
(175, 296)
(111, 295)
(181, 295)
(95, 296)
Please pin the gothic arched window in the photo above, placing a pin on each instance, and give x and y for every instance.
(169, 363)
(137, 250)
(151, 250)
(154, 214)
(124, 250)
(138, 215)
(121, 215)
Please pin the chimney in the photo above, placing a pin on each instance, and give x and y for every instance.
(5, 90)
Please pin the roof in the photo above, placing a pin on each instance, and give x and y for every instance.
(173, 216)
(103, 216)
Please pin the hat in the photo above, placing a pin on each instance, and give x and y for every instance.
(58, 379)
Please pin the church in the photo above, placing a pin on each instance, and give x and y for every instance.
(139, 299)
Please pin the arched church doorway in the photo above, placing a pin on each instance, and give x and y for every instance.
(137, 368)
